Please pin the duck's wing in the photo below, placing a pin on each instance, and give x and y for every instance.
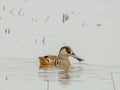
(48, 60)
(51, 60)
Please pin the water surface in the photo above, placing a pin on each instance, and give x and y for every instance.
(26, 74)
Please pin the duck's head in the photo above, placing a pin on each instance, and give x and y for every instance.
(66, 51)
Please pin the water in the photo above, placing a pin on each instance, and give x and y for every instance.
(33, 28)
(29, 29)
(26, 74)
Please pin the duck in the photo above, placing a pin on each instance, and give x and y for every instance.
(61, 59)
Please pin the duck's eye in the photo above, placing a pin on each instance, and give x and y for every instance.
(68, 50)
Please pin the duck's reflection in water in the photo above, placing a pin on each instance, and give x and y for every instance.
(64, 77)
(60, 67)
(59, 73)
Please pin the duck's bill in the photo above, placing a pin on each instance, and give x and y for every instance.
(76, 57)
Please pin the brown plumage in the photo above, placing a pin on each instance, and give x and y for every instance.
(61, 59)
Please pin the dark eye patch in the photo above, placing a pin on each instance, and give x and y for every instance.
(68, 50)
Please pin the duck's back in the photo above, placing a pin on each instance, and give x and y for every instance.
(53, 60)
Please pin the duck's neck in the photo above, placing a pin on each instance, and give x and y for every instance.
(63, 57)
